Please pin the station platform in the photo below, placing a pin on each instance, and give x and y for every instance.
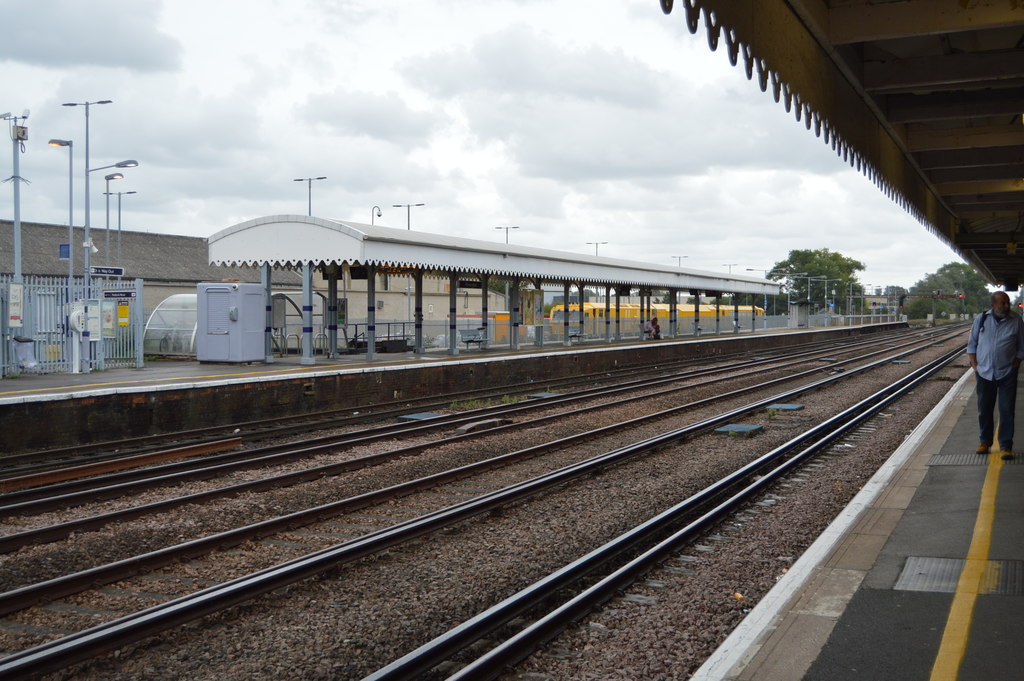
(921, 578)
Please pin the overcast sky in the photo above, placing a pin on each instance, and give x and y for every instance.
(575, 121)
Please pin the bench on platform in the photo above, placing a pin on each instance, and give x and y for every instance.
(469, 336)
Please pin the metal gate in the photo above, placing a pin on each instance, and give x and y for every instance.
(44, 307)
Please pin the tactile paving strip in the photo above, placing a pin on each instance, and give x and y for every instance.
(940, 575)
(971, 459)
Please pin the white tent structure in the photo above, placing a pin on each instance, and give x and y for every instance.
(305, 243)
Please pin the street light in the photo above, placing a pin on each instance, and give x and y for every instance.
(375, 209)
(120, 262)
(730, 266)
(595, 244)
(309, 182)
(87, 242)
(679, 259)
(506, 231)
(71, 206)
(106, 245)
(408, 211)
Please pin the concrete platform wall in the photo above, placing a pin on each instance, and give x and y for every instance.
(40, 425)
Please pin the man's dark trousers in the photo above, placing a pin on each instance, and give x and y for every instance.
(1005, 390)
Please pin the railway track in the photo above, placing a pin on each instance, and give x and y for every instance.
(68, 493)
(372, 542)
(28, 463)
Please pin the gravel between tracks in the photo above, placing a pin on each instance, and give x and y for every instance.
(348, 623)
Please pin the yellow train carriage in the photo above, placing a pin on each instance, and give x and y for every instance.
(630, 314)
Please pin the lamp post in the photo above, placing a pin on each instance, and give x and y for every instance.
(679, 259)
(71, 206)
(120, 262)
(595, 244)
(506, 231)
(106, 243)
(309, 184)
(730, 265)
(408, 211)
(87, 240)
(374, 210)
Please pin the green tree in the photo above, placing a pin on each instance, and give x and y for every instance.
(948, 282)
(831, 276)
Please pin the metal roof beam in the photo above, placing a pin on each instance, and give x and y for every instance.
(965, 68)
(865, 20)
(948, 176)
(952, 105)
(980, 187)
(959, 158)
(923, 138)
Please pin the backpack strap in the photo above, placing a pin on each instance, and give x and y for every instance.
(984, 315)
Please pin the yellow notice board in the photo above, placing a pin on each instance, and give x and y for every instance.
(122, 313)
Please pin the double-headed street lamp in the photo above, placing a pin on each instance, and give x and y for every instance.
(506, 228)
(106, 243)
(408, 211)
(309, 183)
(71, 203)
(120, 262)
(595, 244)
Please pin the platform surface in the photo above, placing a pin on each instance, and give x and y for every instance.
(921, 578)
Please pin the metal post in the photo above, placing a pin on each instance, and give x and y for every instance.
(307, 314)
(483, 307)
(371, 312)
(453, 340)
(565, 313)
(418, 323)
(268, 297)
(16, 181)
(332, 311)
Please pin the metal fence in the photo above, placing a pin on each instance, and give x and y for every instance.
(38, 335)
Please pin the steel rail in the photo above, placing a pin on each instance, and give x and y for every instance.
(334, 418)
(108, 636)
(518, 647)
(66, 495)
(254, 457)
(15, 541)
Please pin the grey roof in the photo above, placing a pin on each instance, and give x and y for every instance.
(155, 257)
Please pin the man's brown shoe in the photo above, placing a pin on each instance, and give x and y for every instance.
(983, 447)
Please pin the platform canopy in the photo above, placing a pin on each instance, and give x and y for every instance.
(923, 96)
(297, 240)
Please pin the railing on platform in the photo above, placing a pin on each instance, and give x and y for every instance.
(37, 336)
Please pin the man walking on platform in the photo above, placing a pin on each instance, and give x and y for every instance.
(995, 350)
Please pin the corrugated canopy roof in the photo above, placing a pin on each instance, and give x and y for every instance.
(293, 240)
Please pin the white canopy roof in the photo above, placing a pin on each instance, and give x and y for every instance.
(294, 240)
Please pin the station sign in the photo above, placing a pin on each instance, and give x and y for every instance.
(466, 283)
(108, 271)
(119, 294)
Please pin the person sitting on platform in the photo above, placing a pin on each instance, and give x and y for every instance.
(655, 329)
(995, 350)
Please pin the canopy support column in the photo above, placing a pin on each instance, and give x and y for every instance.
(268, 331)
(607, 313)
(332, 311)
(371, 312)
(696, 312)
(307, 314)
(618, 313)
(565, 313)
(516, 301)
(484, 279)
(735, 313)
(673, 312)
(418, 311)
(453, 335)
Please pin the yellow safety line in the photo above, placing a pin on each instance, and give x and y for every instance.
(972, 580)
